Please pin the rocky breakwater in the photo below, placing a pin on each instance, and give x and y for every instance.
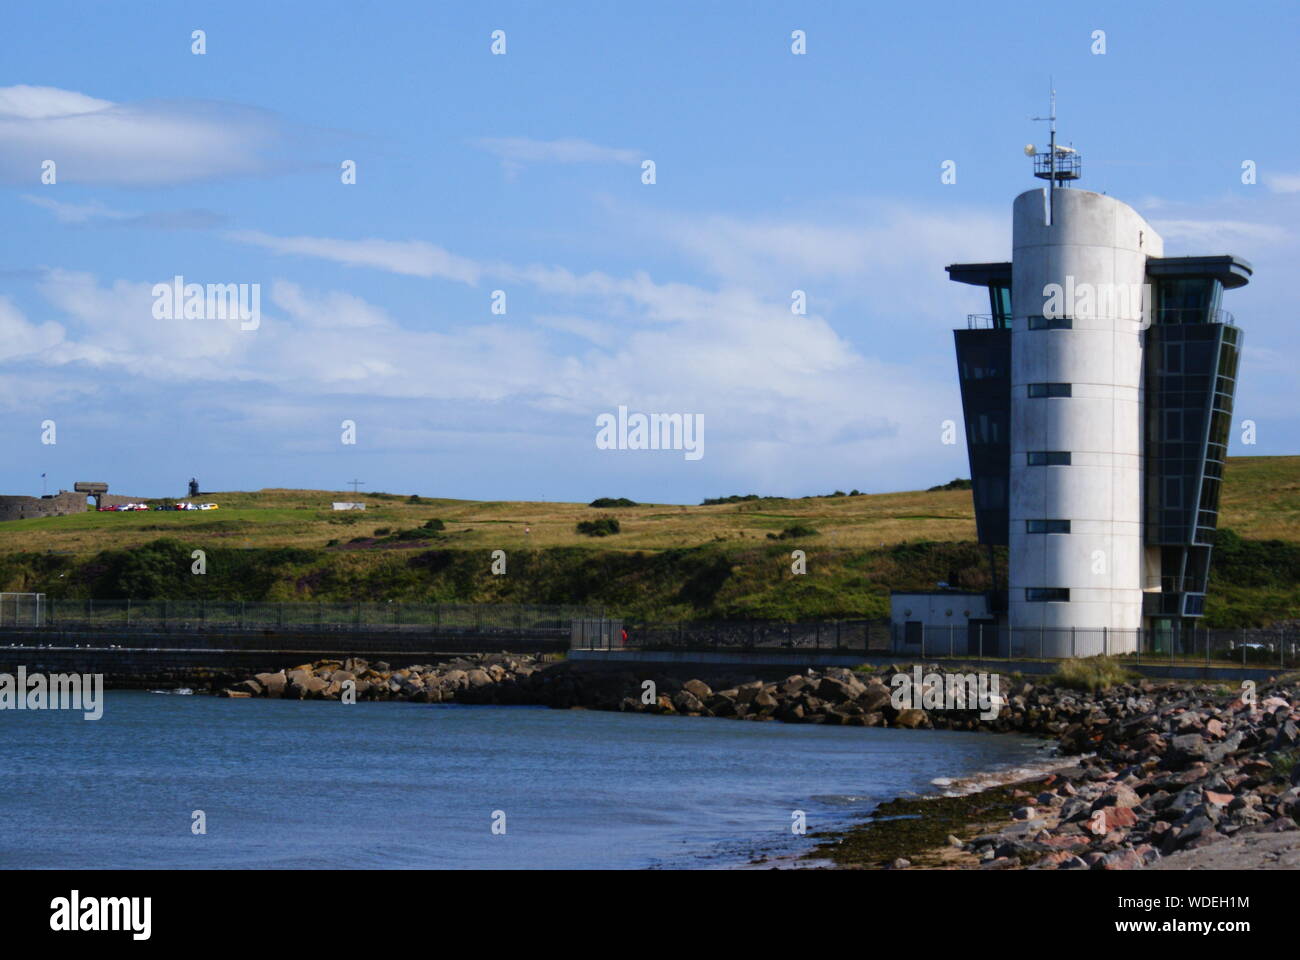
(485, 678)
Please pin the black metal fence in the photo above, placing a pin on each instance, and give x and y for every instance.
(168, 616)
(848, 636)
(1279, 646)
(1249, 646)
(21, 609)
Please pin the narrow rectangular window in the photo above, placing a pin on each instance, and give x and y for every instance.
(1047, 526)
(1049, 458)
(1051, 323)
(1049, 389)
(1047, 594)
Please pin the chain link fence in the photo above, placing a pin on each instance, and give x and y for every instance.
(1247, 646)
(846, 636)
(22, 609)
(166, 616)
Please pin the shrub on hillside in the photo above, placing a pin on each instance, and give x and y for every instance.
(958, 483)
(793, 532)
(600, 527)
(612, 502)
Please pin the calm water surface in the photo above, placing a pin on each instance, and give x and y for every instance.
(289, 784)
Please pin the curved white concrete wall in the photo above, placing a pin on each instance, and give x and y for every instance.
(1102, 242)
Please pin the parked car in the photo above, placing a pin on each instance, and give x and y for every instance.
(208, 506)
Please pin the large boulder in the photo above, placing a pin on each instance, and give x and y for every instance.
(698, 689)
(837, 691)
(273, 683)
(305, 688)
(686, 702)
(874, 696)
(912, 718)
(1118, 795)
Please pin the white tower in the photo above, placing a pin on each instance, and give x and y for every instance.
(1076, 479)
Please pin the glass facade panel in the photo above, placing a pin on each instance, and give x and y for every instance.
(1050, 389)
(984, 365)
(1190, 382)
(1000, 305)
(1187, 300)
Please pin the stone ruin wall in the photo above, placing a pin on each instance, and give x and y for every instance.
(62, 504)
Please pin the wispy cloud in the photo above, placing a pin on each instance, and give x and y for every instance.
(414, 258)
(1284, 183)
(151, 142)
(518, 152)
(1211, 232)
(94, 212)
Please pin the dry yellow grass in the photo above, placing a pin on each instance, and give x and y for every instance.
(1261, 500)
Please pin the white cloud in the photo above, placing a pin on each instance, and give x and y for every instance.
(114, 327)
(1284, 183)
(20, 338)
(1209, 233)
(76, 212)
(410, 257)
(40, 103)
(518, 152)
(94, 212)
(151, 142)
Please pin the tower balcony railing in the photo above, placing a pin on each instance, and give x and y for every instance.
(979, 321)
(1179, 315)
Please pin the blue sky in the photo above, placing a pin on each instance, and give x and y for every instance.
(523, 173)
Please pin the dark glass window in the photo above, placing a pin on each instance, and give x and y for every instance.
(1049, 389)
(1000, 303)
(990, 493)
(1051, 323)
(1049, 458)
(1047, 526)
(1048, 594)
(990, 427)
(1187, 300)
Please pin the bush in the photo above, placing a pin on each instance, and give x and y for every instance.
(600, 527)
(955, 484)
(1093, 674)
(383, 531)
(792, 532)
(434, 524)
(612, 502)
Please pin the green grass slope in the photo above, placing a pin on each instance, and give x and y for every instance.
(668, 562)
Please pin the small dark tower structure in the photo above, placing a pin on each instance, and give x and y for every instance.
(194, 487)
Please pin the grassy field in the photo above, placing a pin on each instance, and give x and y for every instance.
(303, 518)
(667, 561)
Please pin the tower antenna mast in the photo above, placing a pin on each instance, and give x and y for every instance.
(1058, 163)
